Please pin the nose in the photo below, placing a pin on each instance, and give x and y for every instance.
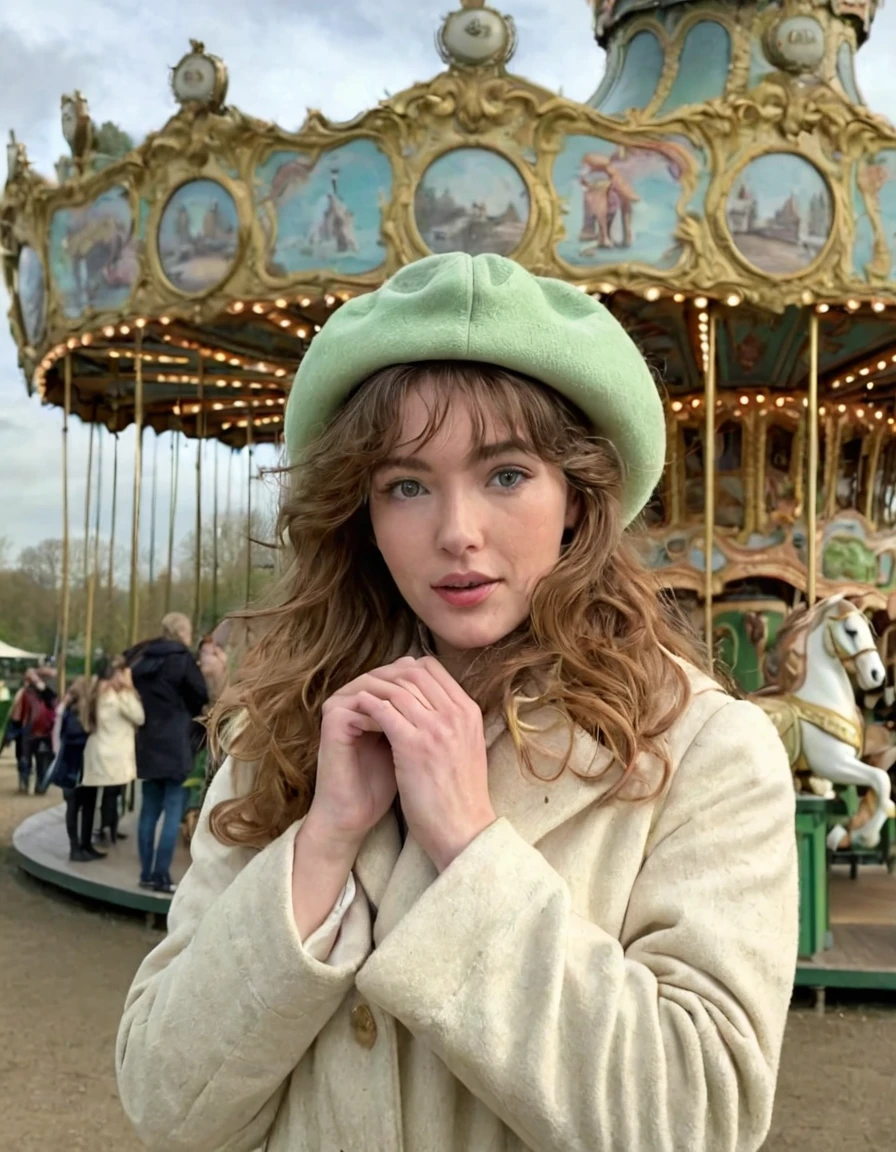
(460, 527)
(877, 675)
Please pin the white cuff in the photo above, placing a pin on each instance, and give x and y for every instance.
(320, 943)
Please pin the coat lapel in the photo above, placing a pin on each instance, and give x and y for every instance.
(394, 878)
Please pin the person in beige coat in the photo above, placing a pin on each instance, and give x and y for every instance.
(492, 862)
(113, 715)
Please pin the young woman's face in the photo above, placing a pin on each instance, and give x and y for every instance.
(467, 535)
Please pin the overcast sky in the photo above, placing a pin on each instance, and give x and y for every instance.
(283, 56)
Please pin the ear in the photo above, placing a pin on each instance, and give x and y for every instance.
(573, 507)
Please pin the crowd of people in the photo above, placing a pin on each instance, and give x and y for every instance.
(139, 718)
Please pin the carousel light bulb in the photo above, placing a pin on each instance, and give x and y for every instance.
(733, 300)
(317, 327)
(695, 403)
(779, 402)
(836, 384)
(284, 323)
(124, 329)
(87, 339)
(677, 405)
(234, 362)
(224, 427)
(220, 357)
(281, 303)
(870, 385)
(113, 354)
(860, 412)
(678, 297)
(822, 308)
(217, 407)
(878, 306)
(805, 402)
(841, 408)
(852, 305)
(701, 302)
(745, 399)
(878, 415)
(760, 399)
(239, 403)
(301, 333)
(582, 287)
(242, 423)
(305, 302)
(281, 400)
(890, 420)
(821, 410)
(329, 301)
(881, 364)
(704, 318)
(140, 322)
(652, 294)
(281, 372)
(864, 371)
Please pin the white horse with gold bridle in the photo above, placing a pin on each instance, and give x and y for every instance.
(812, 705)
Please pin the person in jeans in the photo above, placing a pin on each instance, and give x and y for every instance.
(68, 772)
(173, 692)
(34, 712)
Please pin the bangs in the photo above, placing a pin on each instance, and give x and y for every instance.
(499, 403)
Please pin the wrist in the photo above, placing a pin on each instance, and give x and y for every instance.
(329, 843)
(446, 854)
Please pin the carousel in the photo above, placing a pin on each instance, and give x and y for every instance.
(728, 196)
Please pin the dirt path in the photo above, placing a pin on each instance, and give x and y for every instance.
(66, 965)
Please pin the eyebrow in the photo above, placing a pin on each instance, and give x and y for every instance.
(477, 456)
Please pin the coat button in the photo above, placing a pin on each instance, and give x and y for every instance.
(363, 1026)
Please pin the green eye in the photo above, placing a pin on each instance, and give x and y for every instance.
(508, 477)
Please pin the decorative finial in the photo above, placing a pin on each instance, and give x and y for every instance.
(77, 127)
(200, 79)
(476, 36)
(17, 162)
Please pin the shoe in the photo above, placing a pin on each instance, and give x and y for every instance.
(93, 854)
(165, 887)
(79, 856)
(148, 884)
(116, 836)
(100, 836)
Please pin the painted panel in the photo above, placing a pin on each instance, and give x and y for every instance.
(846, 72)
(779, 213)
(324, 213)
(874, 197)
(702, 66)
(620, 201)
(639, 76)
(472, 200)
(93, 253)
(198, 236)
(32, 291)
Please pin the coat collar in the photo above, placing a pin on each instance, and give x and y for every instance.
(394, 877)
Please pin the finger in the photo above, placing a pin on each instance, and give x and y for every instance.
(407, 703)
(440, 675)
(404, 675)
(353, 720)
(368, 682)
(393, 724)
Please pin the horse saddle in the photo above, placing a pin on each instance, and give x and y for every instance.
(786, 713)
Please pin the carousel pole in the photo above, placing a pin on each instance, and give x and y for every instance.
(66, 558)
(172, 509)
(94, 573)
(216, 455)
(152, 514)
(197, 562)
(87, 495)
(709, 479)
(114, 512)
(812, 481)
(250, 446)
(134, 621)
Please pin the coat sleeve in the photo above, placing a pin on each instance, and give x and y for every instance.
(194, 689)
(131, 707)
(668, 1039)
(222, 1011)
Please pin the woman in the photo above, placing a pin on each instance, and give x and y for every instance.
(173, 693)
(114, 713)
(534, 891)
(68, 771)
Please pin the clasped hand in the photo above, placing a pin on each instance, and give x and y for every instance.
(407, 728)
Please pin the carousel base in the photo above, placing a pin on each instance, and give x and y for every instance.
(40, 848)
(862, 939)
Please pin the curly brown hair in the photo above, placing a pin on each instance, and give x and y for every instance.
(601, 644)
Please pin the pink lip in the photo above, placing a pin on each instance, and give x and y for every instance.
(455, 578)
(467, 597)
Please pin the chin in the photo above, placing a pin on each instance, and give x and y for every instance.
(470, 635)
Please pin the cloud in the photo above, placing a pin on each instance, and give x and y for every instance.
(283, 56)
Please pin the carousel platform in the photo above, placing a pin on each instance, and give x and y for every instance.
(40, 848)
(861, 950)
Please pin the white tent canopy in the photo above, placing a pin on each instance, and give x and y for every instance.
(7, 652)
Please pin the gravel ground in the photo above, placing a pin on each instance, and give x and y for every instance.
(67, 964)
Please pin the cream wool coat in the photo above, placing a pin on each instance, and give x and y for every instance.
(583, 978)
(110, 757)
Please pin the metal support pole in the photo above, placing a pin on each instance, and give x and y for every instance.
(114, 512)
(812, 480)
(709, 481)
(66, 542)
(152, 516)
(87, 495)
(197, 563)
(134, 623)
(216, 454)
(172, 510)
(94, 573)
(251, 448)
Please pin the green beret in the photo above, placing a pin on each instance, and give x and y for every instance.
(490, 310)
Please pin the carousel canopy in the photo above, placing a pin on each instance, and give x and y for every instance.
(726, 161)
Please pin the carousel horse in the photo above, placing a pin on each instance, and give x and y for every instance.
(812, 705)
